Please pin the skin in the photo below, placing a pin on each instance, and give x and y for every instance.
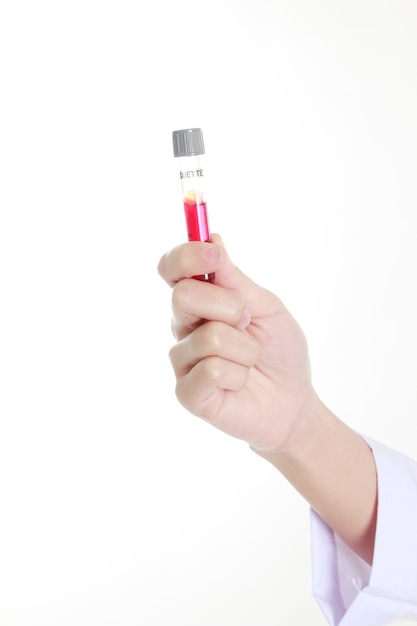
(241, 362)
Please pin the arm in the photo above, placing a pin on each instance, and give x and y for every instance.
(241, 363)
(333, 468)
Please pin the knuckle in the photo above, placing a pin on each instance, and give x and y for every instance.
(160, 266)
(172, 355)
(174, 330)
(181, 393)
(182, 295)
(211, 337)
(211, 369)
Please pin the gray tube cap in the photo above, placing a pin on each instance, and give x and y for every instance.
(188, 142)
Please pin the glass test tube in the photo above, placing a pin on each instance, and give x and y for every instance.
(189, 151)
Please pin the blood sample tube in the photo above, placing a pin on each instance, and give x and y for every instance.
(189, 151)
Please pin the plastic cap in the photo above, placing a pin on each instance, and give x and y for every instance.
(188, 142)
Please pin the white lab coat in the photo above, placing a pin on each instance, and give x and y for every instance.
(349, 591)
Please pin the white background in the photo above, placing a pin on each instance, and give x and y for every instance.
(117, 506)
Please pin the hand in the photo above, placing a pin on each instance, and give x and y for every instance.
(241, 360)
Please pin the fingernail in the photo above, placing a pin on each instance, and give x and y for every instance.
(245, 320)
(211, 254)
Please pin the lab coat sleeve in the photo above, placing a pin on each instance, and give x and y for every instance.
(349, 591)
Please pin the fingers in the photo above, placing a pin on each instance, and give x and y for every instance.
(197, 258)
(201, 391)
(194, 301)
(211, 360)
(190, 259)
(213, 339)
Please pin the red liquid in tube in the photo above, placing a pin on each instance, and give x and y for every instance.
(197, 221)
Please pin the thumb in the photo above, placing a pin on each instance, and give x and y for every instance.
(228, 276)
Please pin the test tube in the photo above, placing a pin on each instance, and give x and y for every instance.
(189, 151)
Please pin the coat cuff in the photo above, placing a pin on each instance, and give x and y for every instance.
(351, 593)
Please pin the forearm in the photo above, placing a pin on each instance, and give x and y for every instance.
(333, 469)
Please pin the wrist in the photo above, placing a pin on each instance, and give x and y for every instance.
(308, 428)
(333, 468)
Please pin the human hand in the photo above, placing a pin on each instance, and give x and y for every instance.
(241, 360)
